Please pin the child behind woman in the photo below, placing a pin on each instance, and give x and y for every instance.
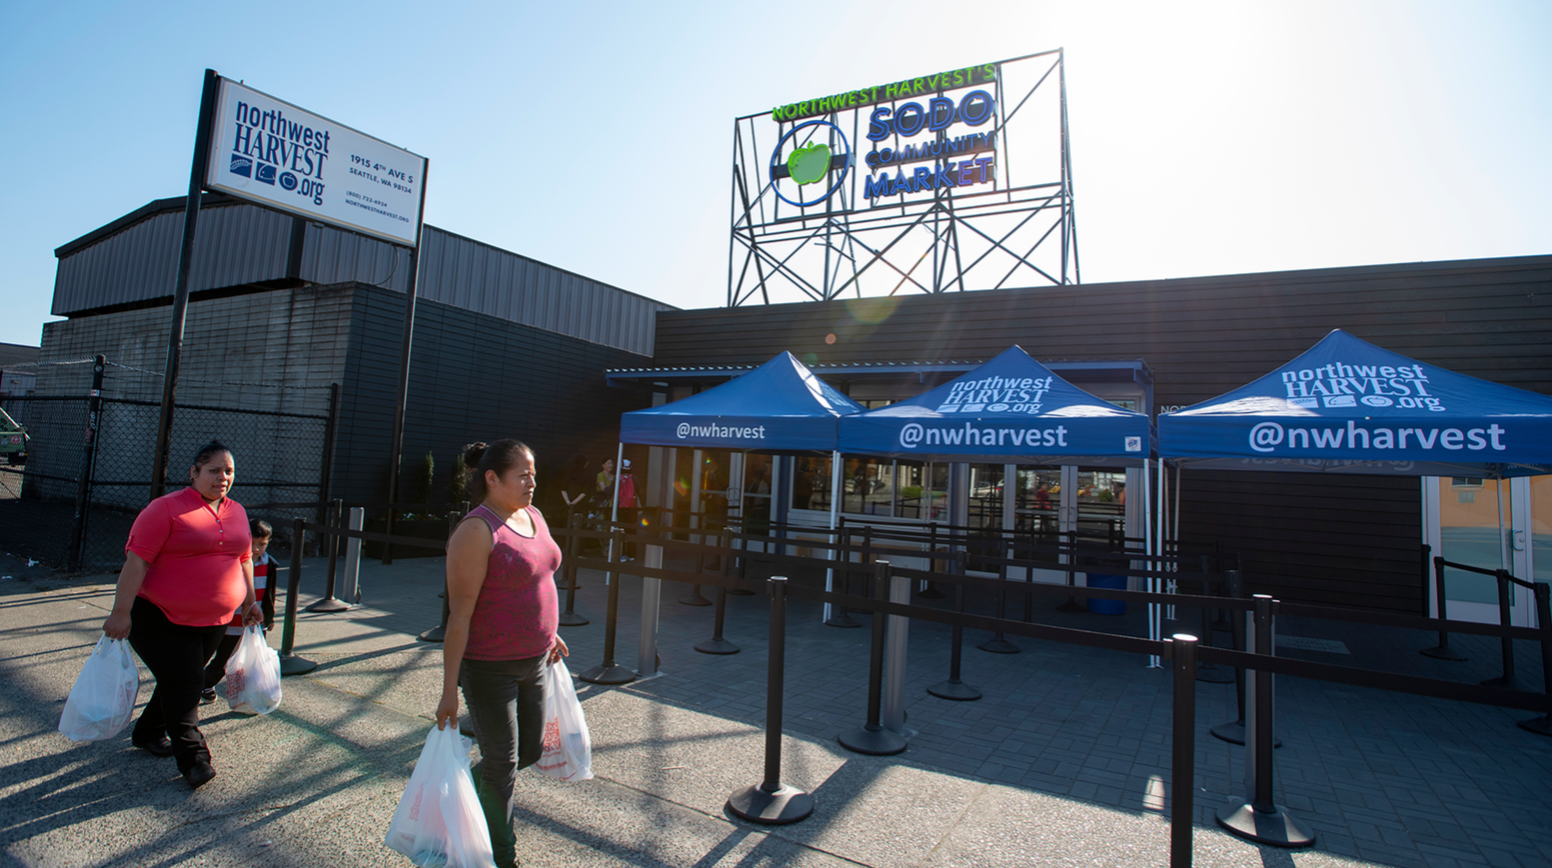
(263, 574)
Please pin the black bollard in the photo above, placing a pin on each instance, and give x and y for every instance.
(716, 644)
(331, 551)
(608, 672)
(872, 738)
(1182, 766)
(771, 802)
(570, 618)
(1543, 725)
(953, 688)
(291, 664)
(1233, 732)
(997, 644)
(1442, 651)
(1257, 818)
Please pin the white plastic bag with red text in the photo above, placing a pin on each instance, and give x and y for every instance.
(103, 697)
(253, 674)
(439, 822)
(568, 749)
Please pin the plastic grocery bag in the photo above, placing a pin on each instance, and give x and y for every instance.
(103, 697)
(253, 674)
(568, 749)
(438, 823)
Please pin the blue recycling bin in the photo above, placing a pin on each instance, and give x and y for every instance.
(1112, 583)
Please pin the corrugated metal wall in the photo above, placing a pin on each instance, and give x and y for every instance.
(240, 244)
(235, 245)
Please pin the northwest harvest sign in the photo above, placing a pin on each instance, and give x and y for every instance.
(273, 153)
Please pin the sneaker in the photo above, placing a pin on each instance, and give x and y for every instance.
(207, 696)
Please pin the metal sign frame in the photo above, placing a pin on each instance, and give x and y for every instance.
(1017, 228)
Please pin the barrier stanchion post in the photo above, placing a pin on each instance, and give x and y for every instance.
(570, 618)
(716, 644)
(1257, 818)
(1507, 679)
(353, 556)
(609, 672)
(872, 738)
(1068, 540)
(290, 664)
(837, 616)
(1442, 651)
(928, 590)
(953, 688)
(329, 547)
(1182, 766)
(997, 644)
(1206, 671)
(771, 802)
(439, 632)
(896, 639)
(1543, 725)
(651, 604)
(1233, 732)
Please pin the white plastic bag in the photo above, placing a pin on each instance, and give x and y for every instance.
(103, 698)
(253, 674)
(568, 749)
(438, 823)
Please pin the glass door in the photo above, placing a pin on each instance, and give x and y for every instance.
(1489, 524)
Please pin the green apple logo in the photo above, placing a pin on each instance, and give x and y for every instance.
(809, 165)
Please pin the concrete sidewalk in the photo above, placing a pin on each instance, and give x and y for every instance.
(316, 782)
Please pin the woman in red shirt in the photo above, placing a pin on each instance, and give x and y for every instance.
(502, 616)
(187, 567)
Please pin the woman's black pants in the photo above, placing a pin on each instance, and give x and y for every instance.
(176, 655)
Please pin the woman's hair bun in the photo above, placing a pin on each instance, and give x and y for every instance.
(473, 453)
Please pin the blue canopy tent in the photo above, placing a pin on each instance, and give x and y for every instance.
(1010, 410)
(779, 407)
(1347, 406)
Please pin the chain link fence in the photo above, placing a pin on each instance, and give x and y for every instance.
(47, 514)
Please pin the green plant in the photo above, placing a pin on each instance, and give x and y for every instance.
(457, 482)
(911, 492)
(1106, 496)
(423, 478)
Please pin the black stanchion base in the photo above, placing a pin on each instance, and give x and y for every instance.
(1072, 606)
(329, 604)
(786, 805)
(717, 646)
(1233, 732)
(1272, 827)
(1443, 652)
(841, 619)
(1214, 675)
(435, 634)
(294, 665)
(607, 675)
(1508, 684)
(572, 619)
(931, 594)
(695, 599)
(873, 742)
(1538, 725)
(998, 645)
(955, 690)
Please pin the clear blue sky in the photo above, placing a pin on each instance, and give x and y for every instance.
(1208, 138)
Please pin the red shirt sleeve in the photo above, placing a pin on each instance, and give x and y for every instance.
(150, 531)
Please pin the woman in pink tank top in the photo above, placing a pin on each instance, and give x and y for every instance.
(502, 616)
